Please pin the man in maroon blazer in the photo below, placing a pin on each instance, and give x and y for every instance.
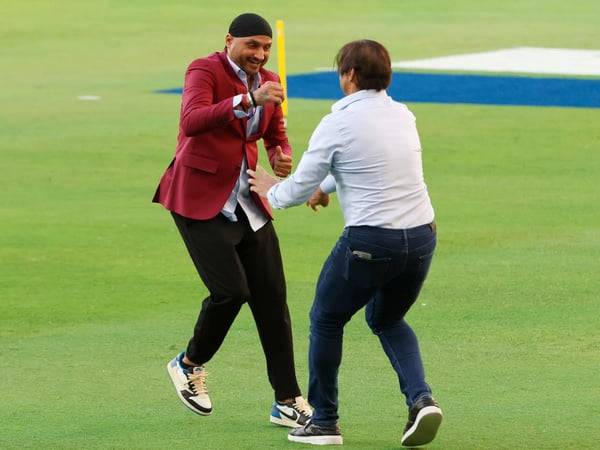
(230, 102)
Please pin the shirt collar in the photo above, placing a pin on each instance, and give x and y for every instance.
(243, 75)
(357, 96)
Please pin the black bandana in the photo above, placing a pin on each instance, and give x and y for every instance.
(250, 24)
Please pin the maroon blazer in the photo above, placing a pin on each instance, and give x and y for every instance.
(212, 141)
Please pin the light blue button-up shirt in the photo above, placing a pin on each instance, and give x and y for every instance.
(370, 146)
(241, 191)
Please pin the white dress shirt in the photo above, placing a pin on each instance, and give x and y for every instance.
(370, 146)
(241, 191)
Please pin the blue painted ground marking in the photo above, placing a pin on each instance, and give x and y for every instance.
(444, 88)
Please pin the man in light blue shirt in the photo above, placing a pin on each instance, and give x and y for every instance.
(368, 150)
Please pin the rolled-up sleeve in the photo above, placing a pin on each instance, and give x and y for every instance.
(312, 169)
(238, 112)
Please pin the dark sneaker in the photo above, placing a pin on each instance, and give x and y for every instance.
(295, 413)
(190, 385)
(424, 419)
(317, 435)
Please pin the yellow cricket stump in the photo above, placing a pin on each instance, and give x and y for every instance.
(281, 65)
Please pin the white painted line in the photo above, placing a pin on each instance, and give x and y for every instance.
(558, 61)
(89, 97)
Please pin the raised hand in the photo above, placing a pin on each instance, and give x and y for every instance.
(282, 163)
(271, 91)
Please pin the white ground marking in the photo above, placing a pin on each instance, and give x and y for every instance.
(89, 97)
(561, 61)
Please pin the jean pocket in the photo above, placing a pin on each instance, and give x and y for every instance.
(363, 270)
(424, 262)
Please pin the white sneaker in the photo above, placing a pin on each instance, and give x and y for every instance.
(293, 414)
(190, 385)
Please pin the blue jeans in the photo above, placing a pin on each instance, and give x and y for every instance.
(382, 269)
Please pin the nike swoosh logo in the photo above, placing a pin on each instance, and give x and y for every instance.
(294, 416)
(189, 396)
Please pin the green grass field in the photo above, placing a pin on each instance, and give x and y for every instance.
(97, 292)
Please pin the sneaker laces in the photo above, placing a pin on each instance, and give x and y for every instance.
(300, 404)
(197, 381)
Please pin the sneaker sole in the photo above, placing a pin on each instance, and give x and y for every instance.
(182, 398)
(425, 427)
(317, 440)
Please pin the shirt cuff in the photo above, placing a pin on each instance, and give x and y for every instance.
(328, 184)
(238, 112)
(271, 197)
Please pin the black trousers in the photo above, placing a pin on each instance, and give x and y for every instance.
(238, 265)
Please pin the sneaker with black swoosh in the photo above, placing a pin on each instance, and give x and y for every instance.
(190, 385)
(294, 413)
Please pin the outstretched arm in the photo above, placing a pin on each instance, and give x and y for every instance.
(312, 169)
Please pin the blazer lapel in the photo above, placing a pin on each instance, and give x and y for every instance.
(229, 70)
